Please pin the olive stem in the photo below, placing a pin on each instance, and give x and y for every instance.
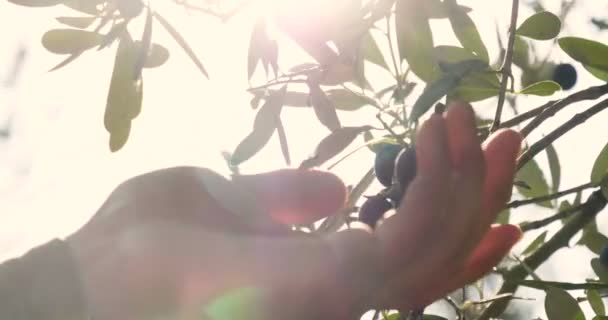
(506, 68)
(578, 119)
(518, 203)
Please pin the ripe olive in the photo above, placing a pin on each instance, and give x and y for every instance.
(405, 165)
(565, 75)
(373, 209)
(604, 257)
(384, 164)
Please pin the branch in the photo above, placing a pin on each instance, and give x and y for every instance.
(591, 93)
(518, 203)
(552, 107)
(506, 68)
(527, 226)
(578, 119)
(594, 204)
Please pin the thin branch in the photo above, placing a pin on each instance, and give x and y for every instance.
(275, 83)
(591, 93)
(578, 119)
(518, 203)
(594, 204)
(527, 226)
(454, 305)
(506, 68)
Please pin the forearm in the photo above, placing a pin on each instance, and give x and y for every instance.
(41, 285)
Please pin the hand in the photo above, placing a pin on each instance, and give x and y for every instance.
(184, 241)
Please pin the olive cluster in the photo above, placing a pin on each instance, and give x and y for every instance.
(395, 168)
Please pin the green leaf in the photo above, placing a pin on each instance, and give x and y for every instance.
(466, 31)
(540, 240)
(540, 26)
(182, 42)
(595, 300)
(332, 145)
(594, 241)
(599, 269)
(371, 52)
(89, 6)
(324, 108)
(265, 123)
(145, 45)
(503, 217)
(414, 38)
(542, 88)
(283, 142)
(477, 86)
(600, 166)
(125, 94)
(70, 41)
(446, 84)
(76, 22)
(554, 167)
(257, 44)
(157, 56)
(598, 73)
(535, 179)
(560, 305)
(347, 100)
(588, 52)
(521, 53)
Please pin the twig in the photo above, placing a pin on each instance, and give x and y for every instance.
(274, 83)
(591, 93)
(578, 119)
(552, 107)
(594, 204)
(533, 225)
(506, 68)
(454, 306)
(518, 203)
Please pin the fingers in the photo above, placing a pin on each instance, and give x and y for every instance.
(411, 229)
(294, 196)
(500, 153)
(468, 170)
(494, 246)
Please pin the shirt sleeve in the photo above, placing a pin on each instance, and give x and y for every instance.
(42, 285)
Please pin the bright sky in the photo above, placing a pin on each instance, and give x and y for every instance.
(56, 168)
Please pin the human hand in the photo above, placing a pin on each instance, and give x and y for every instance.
(182, 241)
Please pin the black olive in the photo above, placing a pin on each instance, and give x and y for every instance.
(373, 209)
(384, 164)
(604, 256)
(565, 75)
(405, 167)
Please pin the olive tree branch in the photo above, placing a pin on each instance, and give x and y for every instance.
(518, 203)
(593, 205)
(578, 119)
(552, 107)
(506, 68)
(533, 225)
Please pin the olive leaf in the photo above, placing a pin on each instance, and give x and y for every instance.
(588, 52)
(145, 45)
(595, 300)
(542, 88)
(554, 167)
(434, 91)
(560, 305)
(156, 57)
(283, 142)
(371, 52)
(182, 42)
(257, 43)
(332, 145)
(600, 166)
(70, 41)
(543, 25)
(465, 30)
(414, 38)
(76, 22)
(266, 122)
(533, 176)
(125, 94)
(324, 108)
